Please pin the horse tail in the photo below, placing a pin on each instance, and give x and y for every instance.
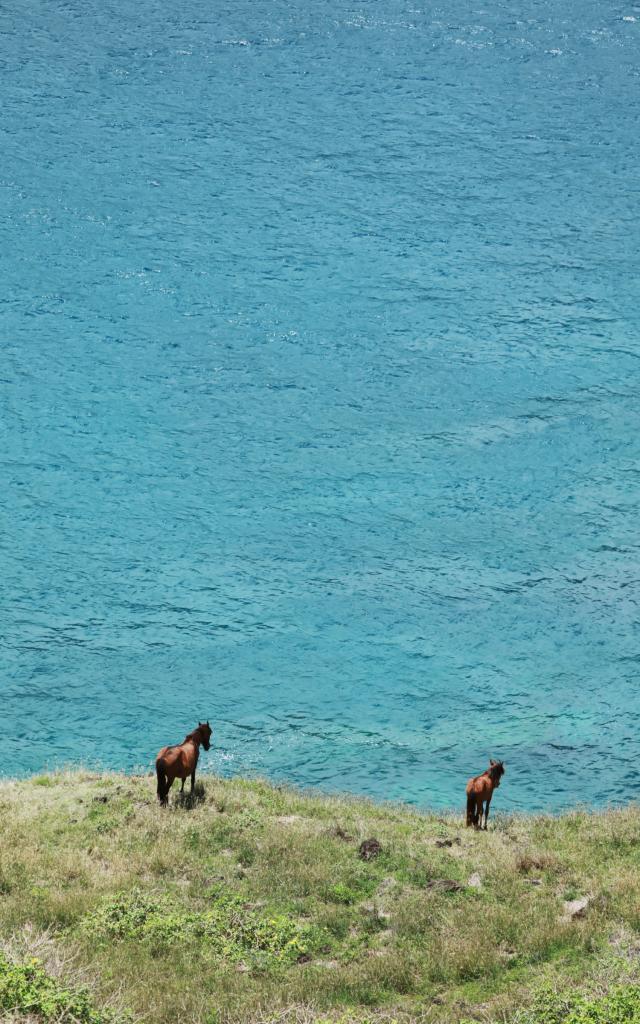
(163, 789)
(471, 807)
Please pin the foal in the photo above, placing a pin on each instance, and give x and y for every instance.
(480, 790)
(179, 761)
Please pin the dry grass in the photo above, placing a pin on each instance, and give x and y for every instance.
(376, 941)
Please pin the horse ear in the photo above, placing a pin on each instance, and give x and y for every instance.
(492, 762)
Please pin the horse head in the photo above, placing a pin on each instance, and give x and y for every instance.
(496, 771)
(205, 733)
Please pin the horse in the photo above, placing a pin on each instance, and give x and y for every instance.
(179, 761)
(480, 790)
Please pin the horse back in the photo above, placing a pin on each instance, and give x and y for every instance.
(182, 758)
(168, 755)
(479, 785)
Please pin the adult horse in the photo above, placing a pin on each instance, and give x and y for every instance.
(179, 761)
(480, 790)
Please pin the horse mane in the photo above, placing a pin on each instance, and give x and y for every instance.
(194, 735)
(494, 771)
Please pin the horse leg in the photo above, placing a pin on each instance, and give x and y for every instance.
(477, 817)
(486, 810)
(182, 786)
(193, 779)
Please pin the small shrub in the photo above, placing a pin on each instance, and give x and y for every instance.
(227, 930)
(619, 1006)
(341, 893)
(27, 988)
(352, 889)
(125, 916)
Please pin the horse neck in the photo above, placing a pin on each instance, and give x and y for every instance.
(194, 737)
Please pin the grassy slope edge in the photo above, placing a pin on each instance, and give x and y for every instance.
(252, 904)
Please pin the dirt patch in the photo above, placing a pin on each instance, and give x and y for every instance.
(340, 833)
(369, 849)
(528, 862)
(575, 909)
(444, 885)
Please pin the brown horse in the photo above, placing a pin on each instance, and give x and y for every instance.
(179, 761)
(480, 790)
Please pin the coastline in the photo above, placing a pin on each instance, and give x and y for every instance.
(503, 806)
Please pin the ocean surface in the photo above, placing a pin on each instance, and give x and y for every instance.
(320, 393)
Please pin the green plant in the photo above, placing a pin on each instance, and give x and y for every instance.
(27, 988)
(125, 915)
(619, 1006)
(228, 929)
(341, 893)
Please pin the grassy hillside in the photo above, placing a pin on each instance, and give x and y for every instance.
(253, 903)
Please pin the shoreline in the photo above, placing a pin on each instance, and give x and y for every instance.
(312, 792)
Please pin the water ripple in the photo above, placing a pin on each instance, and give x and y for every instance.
(320, 338)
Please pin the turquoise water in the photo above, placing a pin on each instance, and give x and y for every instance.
(320, 342)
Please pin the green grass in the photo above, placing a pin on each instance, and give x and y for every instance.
(250, 904)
